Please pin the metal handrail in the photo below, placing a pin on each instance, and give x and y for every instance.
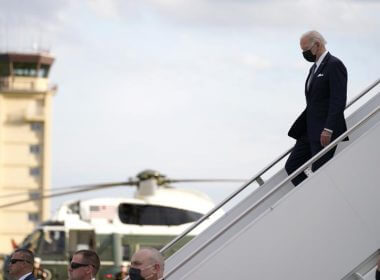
(280, 185)
(256, 178)
(364, 92)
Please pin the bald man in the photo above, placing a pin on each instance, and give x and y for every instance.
(323, 118)
(146, 264)
(20, 266)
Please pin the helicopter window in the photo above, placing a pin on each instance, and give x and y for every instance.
(74, 207)
(31, 241)
(53, 242)
(155, 215)
(126, 252)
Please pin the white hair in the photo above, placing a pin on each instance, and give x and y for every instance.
(155, 256)
(314, 36)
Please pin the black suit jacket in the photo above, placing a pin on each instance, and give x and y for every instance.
(325, 102)
(30, 277)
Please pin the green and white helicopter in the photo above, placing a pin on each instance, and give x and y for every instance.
(116, 227)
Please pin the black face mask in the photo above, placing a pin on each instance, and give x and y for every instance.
(309, 56)
(135, 274)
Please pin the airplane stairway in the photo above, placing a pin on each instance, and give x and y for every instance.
(323, 229)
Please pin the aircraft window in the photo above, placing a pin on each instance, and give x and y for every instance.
(53, 242)
(31, 241)
(155, 215)
(105, 248)
(126, 252)
(75, 207)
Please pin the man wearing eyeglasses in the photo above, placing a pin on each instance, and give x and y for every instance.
(84, 265)
(20, 266)
(146, 264)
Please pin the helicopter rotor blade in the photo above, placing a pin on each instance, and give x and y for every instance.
(52, 190)
(204, 180)
(83, 188)
(62, 191)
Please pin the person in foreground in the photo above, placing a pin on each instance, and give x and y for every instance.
(322, 121)
(20, 266)
(378, 270)
(147, 264)
(84, 265)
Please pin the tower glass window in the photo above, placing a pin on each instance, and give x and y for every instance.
(33, 217)
(24, 69)
(4, 69)
(35, 149)
(35, 171)
(43, 71)
(34, 195)
(36, 126)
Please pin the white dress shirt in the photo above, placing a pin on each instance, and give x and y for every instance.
(319, 61)
(24, 276)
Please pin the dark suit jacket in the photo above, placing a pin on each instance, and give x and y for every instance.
(325, 102)
(30, 277)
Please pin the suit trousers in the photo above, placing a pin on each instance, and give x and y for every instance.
(303, 151)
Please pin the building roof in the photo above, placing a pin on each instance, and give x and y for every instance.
(40, 58)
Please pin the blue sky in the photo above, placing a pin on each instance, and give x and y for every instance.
(195, 89)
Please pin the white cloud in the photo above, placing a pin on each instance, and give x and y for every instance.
(30, 25)
(332, 14)
(256, 62)
(105, 8)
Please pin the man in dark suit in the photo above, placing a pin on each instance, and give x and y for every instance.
(84, 265)
(21, 265)
(323, 119)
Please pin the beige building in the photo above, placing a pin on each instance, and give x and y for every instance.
(25, 127)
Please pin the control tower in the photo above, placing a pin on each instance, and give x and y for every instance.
(25, 128)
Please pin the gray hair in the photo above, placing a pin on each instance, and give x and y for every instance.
(155, 256)
(314, 36)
